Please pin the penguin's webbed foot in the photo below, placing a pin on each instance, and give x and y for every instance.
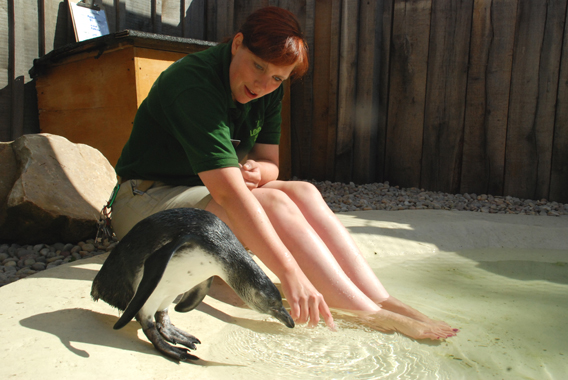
(171, 333)
(177, 353)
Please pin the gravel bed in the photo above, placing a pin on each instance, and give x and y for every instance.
(381, 196)
(17, 261)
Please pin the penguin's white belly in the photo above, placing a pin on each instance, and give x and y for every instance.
(186, 269)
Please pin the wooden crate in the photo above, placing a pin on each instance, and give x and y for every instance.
(89, 92)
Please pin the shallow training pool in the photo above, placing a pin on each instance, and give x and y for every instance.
(501, 279)
(510, 305)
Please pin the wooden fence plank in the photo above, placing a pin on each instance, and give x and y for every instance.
(24, 50)
(171, 21)
(346, 92)
(383, 86)
(559, 169)
(285, 148)
(243, 8)
(521, 164)
(220, 19)
(445, 95)
(333, 88)
(408, 72)
(26, 46)
(547, 93)
(302, 91)
(195, 19)
(136, 15)
(41, 27)
(5, 72)
(225, 19)
(58, 31)
(489, 77)
(321, 84)
(366, 111)
(211, 23)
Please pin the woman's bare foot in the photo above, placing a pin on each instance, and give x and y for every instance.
(434, 330)
(387, 321)
(396, 306)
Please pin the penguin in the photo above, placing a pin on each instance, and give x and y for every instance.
(168, 253)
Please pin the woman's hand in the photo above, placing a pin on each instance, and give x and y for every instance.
(251, 174)
(306, 303)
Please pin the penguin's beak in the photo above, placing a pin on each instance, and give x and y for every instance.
(282, 315)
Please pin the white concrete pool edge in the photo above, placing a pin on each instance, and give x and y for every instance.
(52, 329)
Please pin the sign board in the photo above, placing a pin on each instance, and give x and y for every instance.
(87, 22)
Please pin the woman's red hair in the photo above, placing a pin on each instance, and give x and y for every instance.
(274, 35)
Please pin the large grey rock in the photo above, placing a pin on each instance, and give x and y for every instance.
(51, 189)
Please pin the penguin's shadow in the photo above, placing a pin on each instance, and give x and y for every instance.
(222, 292)
(69, 326)
(250, 324)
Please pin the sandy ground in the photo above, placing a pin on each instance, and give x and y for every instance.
(51, 329)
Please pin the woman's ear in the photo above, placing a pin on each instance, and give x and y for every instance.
(237, 42)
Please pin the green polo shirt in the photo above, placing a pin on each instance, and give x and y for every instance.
(186, 124)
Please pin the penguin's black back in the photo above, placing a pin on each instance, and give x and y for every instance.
(114, 282)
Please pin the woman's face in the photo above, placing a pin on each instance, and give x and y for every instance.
(250, 76)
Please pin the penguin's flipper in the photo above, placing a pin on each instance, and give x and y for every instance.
(193, 297)
(154, 268)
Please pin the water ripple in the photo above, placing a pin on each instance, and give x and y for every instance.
(354, 352)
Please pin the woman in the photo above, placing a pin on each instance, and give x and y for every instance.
(207, 136)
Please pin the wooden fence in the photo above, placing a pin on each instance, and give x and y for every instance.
(448, 95)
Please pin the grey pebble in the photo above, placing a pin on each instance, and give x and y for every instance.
(58, 246)
(54, 258)
(68, 247)
(25, 271)
(29, 262)
(38, 266)
(11, 268)
(24, 252)
(88, 247)
(54, 263)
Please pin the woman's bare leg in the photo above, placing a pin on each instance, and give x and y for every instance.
(324, 271)
(311, 253)
(336, 237)
(340, 243)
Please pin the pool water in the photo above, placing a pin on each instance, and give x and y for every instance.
(510, 306)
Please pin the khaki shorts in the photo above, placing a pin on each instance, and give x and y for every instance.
(132, 205)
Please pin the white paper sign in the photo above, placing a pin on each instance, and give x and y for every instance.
(88, 23)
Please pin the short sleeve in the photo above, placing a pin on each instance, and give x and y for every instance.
(198, 119)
